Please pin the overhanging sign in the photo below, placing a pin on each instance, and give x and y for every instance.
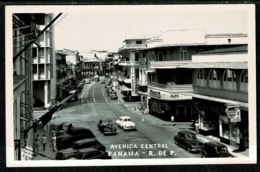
(233, 113)
(133, 81)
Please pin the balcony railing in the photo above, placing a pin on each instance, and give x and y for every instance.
(172, 87)
(132, 46)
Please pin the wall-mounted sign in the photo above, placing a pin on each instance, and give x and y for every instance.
(233, 113)
(133, 81)
(155, 93)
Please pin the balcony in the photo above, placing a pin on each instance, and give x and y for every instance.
(172, 87)
(167, 64)
(132, 46)
(128, 63)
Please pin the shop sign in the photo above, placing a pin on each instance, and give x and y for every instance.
(155, 93)
(175, 96)
(233, 113)
(133, 81)
(27, 152)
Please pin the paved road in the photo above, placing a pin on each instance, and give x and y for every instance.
(148, 141)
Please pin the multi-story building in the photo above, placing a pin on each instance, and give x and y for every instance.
(128, 66)
(44, 66)
(166, 84)
(94, 63)
(61, 73)
(27, 28)
(220, 93)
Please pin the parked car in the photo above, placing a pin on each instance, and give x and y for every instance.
(75, 134)
(113, 95)
(109, 91)
(63, 128)
(188, 140)
(87, 81)
(80, 144)
(214, 149)
(106, 127)
(125, 123)
(91, 153)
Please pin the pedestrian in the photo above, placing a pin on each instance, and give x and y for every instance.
(37, 143)
(44, 141)
(53, 139)
(53, 132)
(197, 127)
(142, 115)
(172, 120)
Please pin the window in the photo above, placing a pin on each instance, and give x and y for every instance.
(229, 79)
(136, 56)
(41, 52)
(201, 78)
(160, 56)
(41, 69)
(244, 80)
(138, 42)
(34, 52)
(183, 53)
(34, 69)
(214, 79)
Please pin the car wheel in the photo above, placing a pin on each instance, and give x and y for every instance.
(123, 128)
(176, 142)
(203, 154)
(189, 149)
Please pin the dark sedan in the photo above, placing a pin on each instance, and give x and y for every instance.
(188, 140)
(91, 153)
(214, 149)
(106, 127)
(75, 134)
(80, 144)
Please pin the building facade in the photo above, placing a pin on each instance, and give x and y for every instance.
(44, 66)
(220, 94)
(162, 83)
(128, 66)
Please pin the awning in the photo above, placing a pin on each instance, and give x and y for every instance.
(124, 88)
(226, 101)
(219, 65)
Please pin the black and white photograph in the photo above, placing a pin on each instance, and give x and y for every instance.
(130, 85)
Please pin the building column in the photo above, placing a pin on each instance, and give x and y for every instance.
(46, 93)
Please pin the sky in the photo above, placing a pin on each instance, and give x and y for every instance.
(105, 27)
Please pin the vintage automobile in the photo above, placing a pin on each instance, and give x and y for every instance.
(74, 134)
(188, 140)
(80, 144)
(113, 95)
(106, 127)
(214, 149)
(91, 153)
(87, 81)
(63, 128)
(125, 123)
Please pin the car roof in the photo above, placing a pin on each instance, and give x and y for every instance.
(215, 144)
(124, 117)
(86, 140)
(186, 132)
(87, 150)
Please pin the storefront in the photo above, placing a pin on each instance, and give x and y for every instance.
(164, 105)
(227, 121)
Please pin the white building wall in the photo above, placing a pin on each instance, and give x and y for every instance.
(220, 58)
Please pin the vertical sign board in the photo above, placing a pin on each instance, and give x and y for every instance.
(133, 81)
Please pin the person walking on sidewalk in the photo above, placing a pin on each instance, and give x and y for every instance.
(44, 141)
(36, 144)
(172, 120)
(53, 139)
(197, 127)
(142, 111)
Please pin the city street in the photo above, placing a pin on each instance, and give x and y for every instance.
(148, 141)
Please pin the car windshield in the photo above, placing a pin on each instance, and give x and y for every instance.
(127, 119)
(191, 137)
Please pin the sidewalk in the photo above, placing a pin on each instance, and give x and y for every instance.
(188, 125)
